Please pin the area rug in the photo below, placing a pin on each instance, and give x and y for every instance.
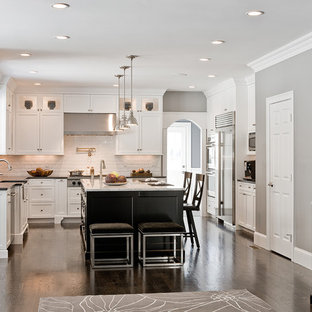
(210, 301)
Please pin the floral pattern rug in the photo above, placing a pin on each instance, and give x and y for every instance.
(211, 301)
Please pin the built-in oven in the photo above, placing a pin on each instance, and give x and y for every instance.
(252, 141)
(211, 157)
(211, 183)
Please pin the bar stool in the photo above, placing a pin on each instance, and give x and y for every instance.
(111, 231)
(187, 185)
(150, 230)
(195, 206)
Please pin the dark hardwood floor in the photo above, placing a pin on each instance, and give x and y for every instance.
(51, 263)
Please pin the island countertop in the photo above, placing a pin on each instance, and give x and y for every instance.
(131, 186)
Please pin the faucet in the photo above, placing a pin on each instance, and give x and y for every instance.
(9, 166)
(102, 166)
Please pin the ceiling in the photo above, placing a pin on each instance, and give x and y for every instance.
(169, 35)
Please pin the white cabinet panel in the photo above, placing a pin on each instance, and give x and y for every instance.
(61, 197)
(251, 108)
(151, 133)
(52, 103)
(52, 133)
(26, 103)
(74, 195)
(41, 194)
(103, 103)
(41, 210)
(27, 133)
(8, 219)
(77, 103)
(74, 209)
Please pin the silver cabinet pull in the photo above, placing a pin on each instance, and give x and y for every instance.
(270, 184)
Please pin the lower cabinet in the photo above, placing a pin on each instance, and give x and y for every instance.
(246, 205)
(74, 201)
(211, 206)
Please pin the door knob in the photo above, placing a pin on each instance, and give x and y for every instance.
(270, 184)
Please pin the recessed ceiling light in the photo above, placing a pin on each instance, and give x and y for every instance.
(37, 84)
(217, 42)
(192, 87)
(212, 76)
(25, 54)
(205, 59)
(62, 37)
(255, 13)
(115, 85)
(60, 5)
(33, 72)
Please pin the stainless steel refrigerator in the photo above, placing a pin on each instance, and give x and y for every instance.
(225, 128)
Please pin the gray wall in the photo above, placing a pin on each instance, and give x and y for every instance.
(180, 101)
(293, 74)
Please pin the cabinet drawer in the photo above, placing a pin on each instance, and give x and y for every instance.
(41, 210)
(74, 209)
(249, 187)
(41, 194)
(74, 195)
(41, 182)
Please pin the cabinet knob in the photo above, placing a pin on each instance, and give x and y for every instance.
(77, 208)
(41, 210)
(78, 194)
(41, 194)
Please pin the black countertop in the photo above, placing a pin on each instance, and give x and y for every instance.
(246, 181)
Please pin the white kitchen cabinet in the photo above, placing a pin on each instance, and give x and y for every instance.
(246, 205)
(19, 214)
(74, 201)
(41, 196)
(61, 197)
(251, 108)
(6, 121)
(144, 139)
(211, 205)
(5, 222)
(39, 125)
(86, 103)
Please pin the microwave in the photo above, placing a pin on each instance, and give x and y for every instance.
(252, 141)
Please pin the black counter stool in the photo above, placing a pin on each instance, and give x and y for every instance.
(187, 185)
(111, 231)
(166, 230)
(195, 206)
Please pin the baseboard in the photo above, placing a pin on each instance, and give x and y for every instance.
(303, 257)
(18, 239)
(261, 240)
(3, 254)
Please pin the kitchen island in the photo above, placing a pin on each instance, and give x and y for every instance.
(131, 203)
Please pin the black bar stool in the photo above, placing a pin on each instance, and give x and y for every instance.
(187, 185)
(109, 231)
(195, 206)
(149, 230)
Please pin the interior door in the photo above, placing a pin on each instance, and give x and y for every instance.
(281, 173)
(177, 153)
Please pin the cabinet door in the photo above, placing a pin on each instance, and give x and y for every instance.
(52, 103)
(128, 142)
(8, 224)
(26, 103)
(9, 132)
(77, 103)
(41, 210)
(241, 209)
(27, 133)
(152, 104)
(251, 108)
(250, 211)
(103, 103)
(150, 134)
(51, 133)
(61, 197)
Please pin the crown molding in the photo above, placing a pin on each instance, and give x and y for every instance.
(283, 53)
(224, 85)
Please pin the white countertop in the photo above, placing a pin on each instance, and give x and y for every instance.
(131, 186)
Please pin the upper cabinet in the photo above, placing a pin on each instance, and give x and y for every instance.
(146, 138)
(86, 103)
(6, 121)
(251, 108)
(39, 125)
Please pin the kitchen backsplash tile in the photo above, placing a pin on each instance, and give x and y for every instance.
(105, 149)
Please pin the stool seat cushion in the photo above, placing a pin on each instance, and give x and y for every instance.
(158, 227)
(98, 228)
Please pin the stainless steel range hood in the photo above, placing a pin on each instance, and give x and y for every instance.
(89, 124)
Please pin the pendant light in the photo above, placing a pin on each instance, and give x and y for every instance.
(131, 121)
(118, 121)
(123, 121)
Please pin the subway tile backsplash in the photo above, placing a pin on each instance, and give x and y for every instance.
(105, 149)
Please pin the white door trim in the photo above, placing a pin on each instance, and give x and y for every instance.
(270, 100)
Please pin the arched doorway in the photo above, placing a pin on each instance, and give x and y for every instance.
(184, 150)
